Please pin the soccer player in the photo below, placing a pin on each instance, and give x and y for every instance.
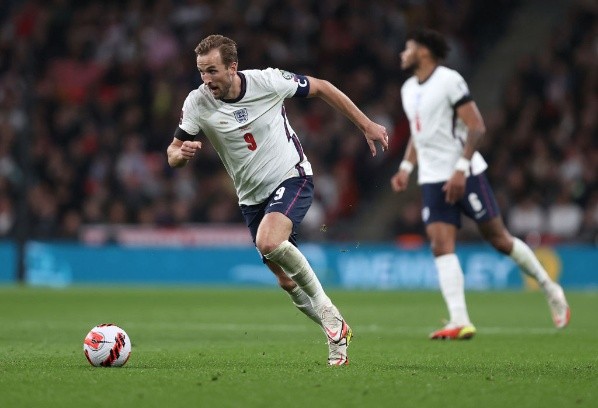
(445, 129)
(242, 115)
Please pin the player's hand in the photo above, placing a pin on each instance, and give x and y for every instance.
(399, 181)
(189, 148)
(455, 187)
(376, 133)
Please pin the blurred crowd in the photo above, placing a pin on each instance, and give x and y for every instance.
(542, 142)
(91, 92)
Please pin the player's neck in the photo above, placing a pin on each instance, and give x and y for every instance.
(235, 89)
(425, 70)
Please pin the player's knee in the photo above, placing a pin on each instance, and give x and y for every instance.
(266, 246)
(502, 243)
(497, 235)
(500, 239)
(440, 247)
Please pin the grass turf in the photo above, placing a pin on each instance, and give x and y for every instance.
(216, 347)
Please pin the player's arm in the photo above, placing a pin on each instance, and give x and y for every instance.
(471, 117)
(179, 151)
(400, 180)
(337, 99)
(183, 146)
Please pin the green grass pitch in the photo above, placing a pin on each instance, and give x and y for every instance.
(235, 347)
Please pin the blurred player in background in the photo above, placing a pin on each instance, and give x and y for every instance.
(445, 129)
(243, 116)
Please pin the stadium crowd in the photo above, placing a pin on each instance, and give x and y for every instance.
(90, 95)
(542, 142)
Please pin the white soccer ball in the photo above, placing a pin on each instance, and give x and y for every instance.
(107, 345)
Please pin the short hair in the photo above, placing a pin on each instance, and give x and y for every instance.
(226, 46)
(432, 40)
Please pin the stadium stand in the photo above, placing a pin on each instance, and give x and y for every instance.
(88, 105)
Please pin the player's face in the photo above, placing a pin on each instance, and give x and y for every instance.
(409, 56)
(215, 75)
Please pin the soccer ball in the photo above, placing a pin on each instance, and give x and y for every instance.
(107, 345)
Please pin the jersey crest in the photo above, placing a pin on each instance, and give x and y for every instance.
(241, 115)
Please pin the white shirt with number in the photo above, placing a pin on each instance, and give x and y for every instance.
(252, 133)
(436, 131)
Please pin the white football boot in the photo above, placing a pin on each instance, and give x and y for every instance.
(339, 335)
(559, 308)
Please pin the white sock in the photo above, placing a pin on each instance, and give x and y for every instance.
(302, 302)
(450, 277)
(292, 261)
(527, 261)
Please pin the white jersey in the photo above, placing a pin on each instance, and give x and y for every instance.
(252, 134)
(436, 131)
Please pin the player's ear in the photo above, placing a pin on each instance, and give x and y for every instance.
(424, 51)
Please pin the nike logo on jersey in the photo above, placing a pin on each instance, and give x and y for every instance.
(279, 202)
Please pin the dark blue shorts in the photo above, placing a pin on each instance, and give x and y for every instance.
(478, 202)
(292, 197)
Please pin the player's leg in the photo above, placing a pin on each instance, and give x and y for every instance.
(442, 221)
(297, 295)
(495, 232)
(337, 352)
(272, 241)
(286, 208)
(296, 266)
(254, 215)
(450, 278)
(481, 206)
